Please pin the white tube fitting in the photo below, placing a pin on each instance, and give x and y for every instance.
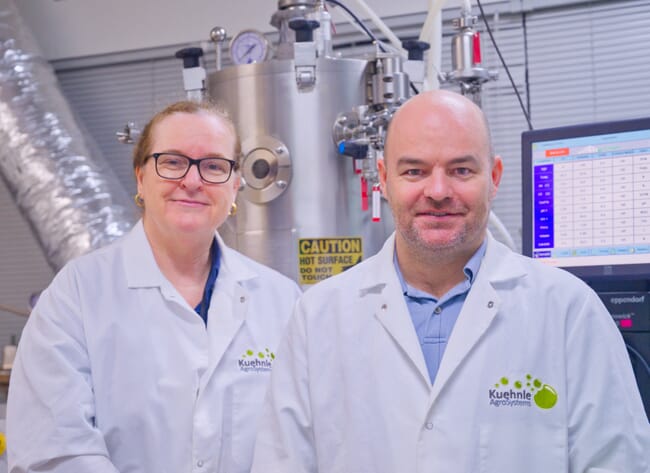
(392, 38)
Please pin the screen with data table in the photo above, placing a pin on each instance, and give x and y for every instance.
(586, 196)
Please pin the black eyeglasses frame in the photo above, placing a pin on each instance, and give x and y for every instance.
(192, 162)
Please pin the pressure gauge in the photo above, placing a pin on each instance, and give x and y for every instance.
(249, 46)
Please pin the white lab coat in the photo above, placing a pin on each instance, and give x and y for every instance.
(116, 372)
(350, 391)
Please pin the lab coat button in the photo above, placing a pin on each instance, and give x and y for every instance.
(199, 463)
(242, 299)
(384, 307)
(429, 426)
(490, 304)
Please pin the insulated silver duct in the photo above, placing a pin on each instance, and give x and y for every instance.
(72, 201)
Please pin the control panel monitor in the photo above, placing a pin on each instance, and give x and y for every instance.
(586, 198)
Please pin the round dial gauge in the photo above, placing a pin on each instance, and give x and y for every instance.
(248, 47)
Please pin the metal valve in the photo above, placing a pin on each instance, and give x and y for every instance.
(415, 49)
(193, 74)
(190, 56)
(304, 29)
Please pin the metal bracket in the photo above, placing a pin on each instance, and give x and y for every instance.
(305, 64)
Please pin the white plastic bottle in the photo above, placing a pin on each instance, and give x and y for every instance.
(9, 354)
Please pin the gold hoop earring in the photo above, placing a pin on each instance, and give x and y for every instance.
(139, 201)
(233, 210)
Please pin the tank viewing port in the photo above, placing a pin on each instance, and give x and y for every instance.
(266, 169)
(261, 168)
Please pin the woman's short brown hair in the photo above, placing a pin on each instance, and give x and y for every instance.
(143, 147)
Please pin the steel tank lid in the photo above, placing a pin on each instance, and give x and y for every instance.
(278, 66)
(282, 4)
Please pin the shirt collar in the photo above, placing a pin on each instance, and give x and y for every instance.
(470, 269)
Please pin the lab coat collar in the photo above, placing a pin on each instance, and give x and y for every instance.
(139, 263)
(142, 270)
(233, 264)
(501, 264)
(498, 266)
(382, 273)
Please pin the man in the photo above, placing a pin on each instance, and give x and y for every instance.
(447, 352)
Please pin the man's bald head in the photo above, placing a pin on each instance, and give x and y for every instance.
(441, 105)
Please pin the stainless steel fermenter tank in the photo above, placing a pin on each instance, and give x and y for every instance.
(299, 210)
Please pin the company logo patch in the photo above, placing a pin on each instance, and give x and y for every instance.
(256, 362)
(522, 393)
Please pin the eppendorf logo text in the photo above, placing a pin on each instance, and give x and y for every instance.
(522, 393)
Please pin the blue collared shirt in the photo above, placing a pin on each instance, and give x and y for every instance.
(204, 305)
(434, 319)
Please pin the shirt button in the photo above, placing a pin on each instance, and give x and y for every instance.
(429, 426)
(437, 310)
(199, 463)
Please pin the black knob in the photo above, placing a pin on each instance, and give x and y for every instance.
(415, 49)
(304, 29)
(190, 56)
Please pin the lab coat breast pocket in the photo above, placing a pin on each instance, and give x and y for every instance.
(516, 447)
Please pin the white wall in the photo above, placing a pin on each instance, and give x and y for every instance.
(78, 28)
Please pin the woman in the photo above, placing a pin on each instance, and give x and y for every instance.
(152, 354)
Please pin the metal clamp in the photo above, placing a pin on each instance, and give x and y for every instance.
(305, 63)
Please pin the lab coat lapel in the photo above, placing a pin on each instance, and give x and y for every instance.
(390, 308)
(476, 316)
(479, 310)
(227, 312)
(226, 317)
